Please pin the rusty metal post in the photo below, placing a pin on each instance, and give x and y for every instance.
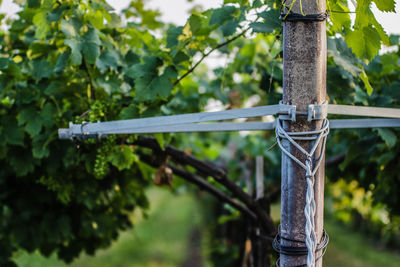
(304, 83)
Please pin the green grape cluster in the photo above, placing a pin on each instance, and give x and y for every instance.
(98, 111)
(101, 164)
(101, 167)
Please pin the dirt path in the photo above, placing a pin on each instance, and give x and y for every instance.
(194, 257)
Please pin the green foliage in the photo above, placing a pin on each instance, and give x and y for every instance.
(365, 35)
(364, 42)
(354, 206)
(271, 23)
(352, 248)
(385, 5)
(365, 193)
(149, 84)
(63, 61)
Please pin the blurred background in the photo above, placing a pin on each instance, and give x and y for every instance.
(181, 223)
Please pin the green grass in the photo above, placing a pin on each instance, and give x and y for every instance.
(159, 241)
(348, 248)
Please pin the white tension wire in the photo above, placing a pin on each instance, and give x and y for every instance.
(318, 137)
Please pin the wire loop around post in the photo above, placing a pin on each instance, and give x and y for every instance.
(299, 250)
(291, 16)
(288, 15)
(318, 137)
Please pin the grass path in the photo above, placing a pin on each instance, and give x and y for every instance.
(159, 241)
(162, 241)
(351, 249)
(348, 248)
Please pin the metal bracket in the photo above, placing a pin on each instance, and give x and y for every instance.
(64, 133)
(76, 132)
(317, 112)
(291, 113)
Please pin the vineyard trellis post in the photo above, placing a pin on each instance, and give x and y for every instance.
(304, 83)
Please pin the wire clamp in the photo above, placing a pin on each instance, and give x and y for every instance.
(317, 112)
(290, 115)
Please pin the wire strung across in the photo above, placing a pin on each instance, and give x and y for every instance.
(192, 122)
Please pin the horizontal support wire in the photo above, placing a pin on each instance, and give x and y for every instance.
(363, 111)
(192, 122)
(364, 123)
(243, 126)
(203, 127)
(146, 125)
(187, 118)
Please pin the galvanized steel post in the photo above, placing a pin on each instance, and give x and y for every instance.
(304, 83)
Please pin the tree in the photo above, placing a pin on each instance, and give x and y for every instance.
(78, 61)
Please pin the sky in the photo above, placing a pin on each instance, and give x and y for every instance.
(176, 11)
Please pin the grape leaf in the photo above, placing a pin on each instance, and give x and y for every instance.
(131, 58)
(388, 136)
(222, 15)
(362, 16)
(364, 43)
(21, 161)
(91, 51)
(272, 15)
(76, 56)
(42, 25)
(148, 83)
(163, 85)
(91, 36)
(383, 35)
(234, 1)
(33, 3)
(54, 87)
(172, 36)
(68, 28)
(257, 3)
(122, 157)
(56, 13)
(180, 57)
(229, 28)
(40, 148)
(385, 5)
(263, 27)
(340, 20)
(335, 49)
(41, 69)
(129, 112)
(271, 22)
(47, 114)
(32, 120)
(14, 134)
(97, 19)
(146, 70)
(195, 23)
(108, 59)
(4, 63)
(90, 45)
(364, 78)
(62, 61)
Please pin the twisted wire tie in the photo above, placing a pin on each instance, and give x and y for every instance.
(309, 210)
